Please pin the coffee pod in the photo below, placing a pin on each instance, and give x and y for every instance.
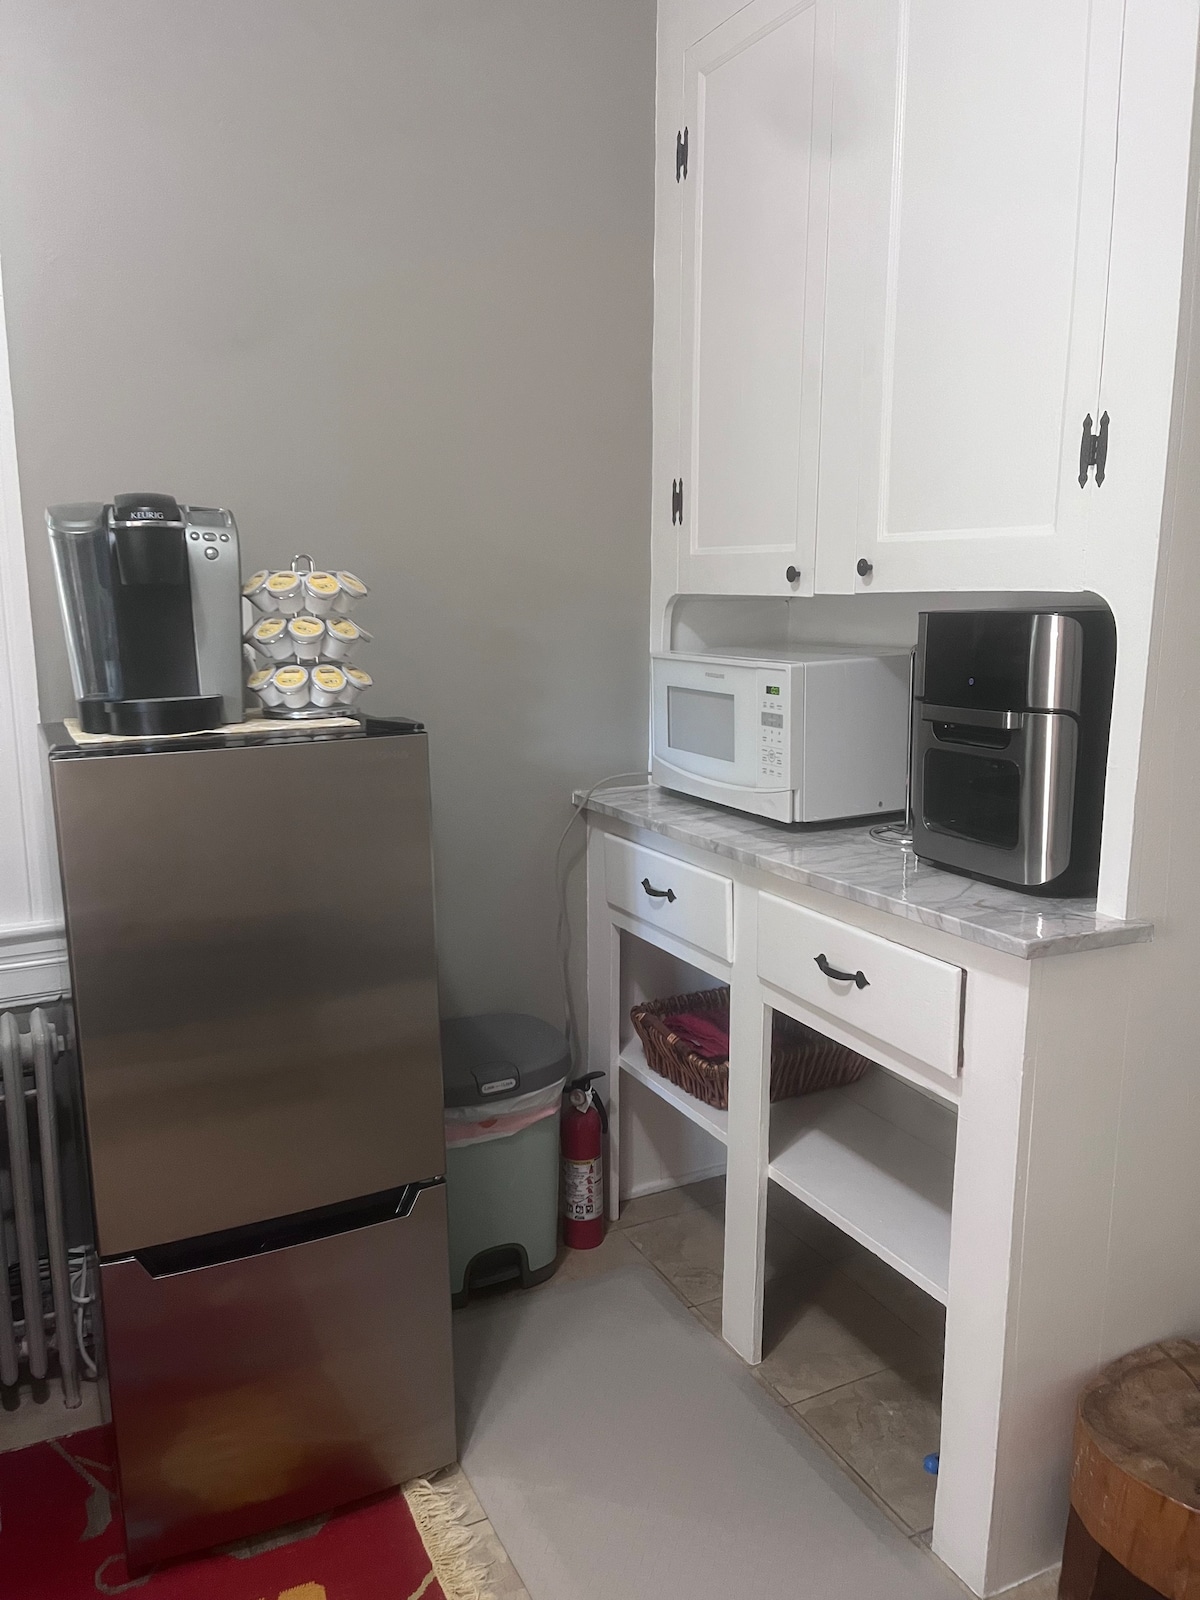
(342, 638)
(255, 590)
(292, 684)
(270, 636)
(356, 681)
(350, 591)
(320, 591)
(259, 683)
(286, 590)
(307, 635)
(328, 685)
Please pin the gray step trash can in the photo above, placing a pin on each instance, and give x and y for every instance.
(504, 1075)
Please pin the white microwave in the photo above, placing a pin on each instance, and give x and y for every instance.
(813, 735)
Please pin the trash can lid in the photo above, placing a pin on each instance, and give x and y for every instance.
(500, 1055)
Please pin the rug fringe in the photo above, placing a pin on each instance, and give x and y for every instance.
(438, 1512)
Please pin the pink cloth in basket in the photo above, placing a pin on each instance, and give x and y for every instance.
(708, 1035)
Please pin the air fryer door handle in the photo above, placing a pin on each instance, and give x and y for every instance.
(859, 979)
(972, 716)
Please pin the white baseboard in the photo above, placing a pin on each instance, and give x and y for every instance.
(33, 964)
(676, 1181)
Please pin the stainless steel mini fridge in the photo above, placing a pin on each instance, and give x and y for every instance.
(250, 922)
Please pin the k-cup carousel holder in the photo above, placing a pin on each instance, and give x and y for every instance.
(303, 642)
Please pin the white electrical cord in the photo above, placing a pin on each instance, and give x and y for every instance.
(896, 833)
(83, 1294)
(563, 930)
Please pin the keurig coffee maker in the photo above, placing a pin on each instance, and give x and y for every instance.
(151, 601)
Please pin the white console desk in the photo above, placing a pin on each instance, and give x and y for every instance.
(974, 1159)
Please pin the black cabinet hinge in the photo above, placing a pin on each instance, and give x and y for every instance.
(681, 144)
(1093, 450)
(676, 499)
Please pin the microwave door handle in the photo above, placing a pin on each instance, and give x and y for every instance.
(972, 717)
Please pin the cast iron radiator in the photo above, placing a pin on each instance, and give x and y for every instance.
(37, 1314)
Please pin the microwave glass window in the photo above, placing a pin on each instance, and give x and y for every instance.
(700, 722)
(973, 797)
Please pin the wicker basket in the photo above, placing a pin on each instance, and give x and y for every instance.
(802, 1060)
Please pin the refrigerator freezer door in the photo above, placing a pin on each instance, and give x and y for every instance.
(252, 954)
(265, 1390)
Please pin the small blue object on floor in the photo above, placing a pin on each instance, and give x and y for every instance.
(930, 1464)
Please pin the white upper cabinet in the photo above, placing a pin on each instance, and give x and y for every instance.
(973, 156)
(892, 239)
(756, 107)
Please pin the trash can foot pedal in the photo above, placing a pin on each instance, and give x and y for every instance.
(502, 1263)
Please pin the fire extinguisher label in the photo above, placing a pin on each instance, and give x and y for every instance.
(583, 1190)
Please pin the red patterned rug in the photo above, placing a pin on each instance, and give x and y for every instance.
(60, 1539)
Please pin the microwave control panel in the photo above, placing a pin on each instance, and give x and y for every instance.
(772, 753)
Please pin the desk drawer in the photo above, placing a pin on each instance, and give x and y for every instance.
(685, 901)
(908, 1001)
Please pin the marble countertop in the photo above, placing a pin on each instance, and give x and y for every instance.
(848, 862)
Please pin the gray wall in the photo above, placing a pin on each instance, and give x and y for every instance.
(376, 274)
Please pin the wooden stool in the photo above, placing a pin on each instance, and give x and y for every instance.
(1134, 1528)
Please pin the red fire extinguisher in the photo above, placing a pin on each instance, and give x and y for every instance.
(584, 1124)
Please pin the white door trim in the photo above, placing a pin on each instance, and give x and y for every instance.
(32, 949)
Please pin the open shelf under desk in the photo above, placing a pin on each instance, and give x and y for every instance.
(878, 1183)
(633, 1061)
(885, 1188)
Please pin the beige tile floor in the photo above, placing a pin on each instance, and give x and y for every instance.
(853, 1351)
(855, 1359)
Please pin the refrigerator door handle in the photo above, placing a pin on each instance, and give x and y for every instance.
(281, 1233)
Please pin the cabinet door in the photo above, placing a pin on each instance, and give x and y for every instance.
(972, 166)
(756, 104)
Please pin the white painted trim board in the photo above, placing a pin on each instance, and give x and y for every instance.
(28, 883)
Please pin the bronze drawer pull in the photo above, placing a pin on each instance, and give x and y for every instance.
(859, 979)
(658, 894)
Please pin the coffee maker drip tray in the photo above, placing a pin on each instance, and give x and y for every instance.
(186, 713)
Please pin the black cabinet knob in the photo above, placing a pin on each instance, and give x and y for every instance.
(792, 574)
(864, 567)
